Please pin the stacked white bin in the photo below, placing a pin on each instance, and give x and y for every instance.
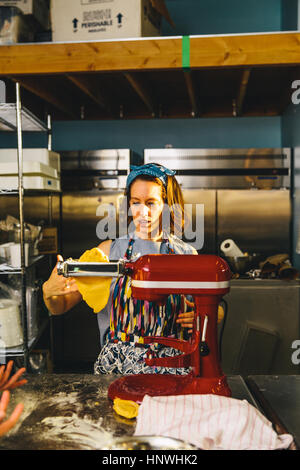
(41, 169)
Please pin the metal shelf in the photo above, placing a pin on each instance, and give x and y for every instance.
(8, 192)
(29, 192)
(15, 118)
(7, 269)
(29, 122)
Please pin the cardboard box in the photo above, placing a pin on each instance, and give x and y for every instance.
(85, 20)
(14, 27)
(49, 242)
(37, 9)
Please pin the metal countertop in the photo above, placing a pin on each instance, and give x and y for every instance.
(72, 411)
(259, 282)
(279, 395)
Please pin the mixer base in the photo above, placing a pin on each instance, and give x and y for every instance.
(135, 387)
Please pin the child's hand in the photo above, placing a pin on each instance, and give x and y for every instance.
(10, 422)
(7, 383)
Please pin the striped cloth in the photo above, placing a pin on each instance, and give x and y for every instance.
(210, 422)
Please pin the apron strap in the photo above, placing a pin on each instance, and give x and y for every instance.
(122, 304)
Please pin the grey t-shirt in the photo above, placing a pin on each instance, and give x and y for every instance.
(140, 247)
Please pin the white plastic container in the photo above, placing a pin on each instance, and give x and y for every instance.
(29, 168)
(30, 182)
(4, 251)
(15, 254)
(10, 323)
(42, 155)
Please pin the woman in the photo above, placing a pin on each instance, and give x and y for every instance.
(154, 197)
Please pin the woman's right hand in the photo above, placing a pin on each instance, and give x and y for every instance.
(58, 284)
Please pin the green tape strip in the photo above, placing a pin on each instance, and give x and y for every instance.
(185, 52)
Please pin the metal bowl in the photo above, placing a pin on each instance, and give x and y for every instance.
(150, 443)
(243, 264)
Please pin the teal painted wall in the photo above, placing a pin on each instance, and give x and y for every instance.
(140, 134)
(190, 133)
(289, 15)
(223, 16)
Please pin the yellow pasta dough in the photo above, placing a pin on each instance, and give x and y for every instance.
(94, 290)
(220, 313)
(127, 408)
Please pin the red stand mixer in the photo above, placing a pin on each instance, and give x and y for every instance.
(154, 278)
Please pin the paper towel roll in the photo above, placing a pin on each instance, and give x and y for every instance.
(229, 248)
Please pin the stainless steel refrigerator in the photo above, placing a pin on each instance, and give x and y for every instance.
(246, 195)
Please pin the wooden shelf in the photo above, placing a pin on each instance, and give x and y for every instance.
(52, 58)
(235, 50)
(246, 50)
(228, 75)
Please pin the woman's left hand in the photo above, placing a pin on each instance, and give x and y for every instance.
(186, 319)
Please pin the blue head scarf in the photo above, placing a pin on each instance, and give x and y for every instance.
(152, 169)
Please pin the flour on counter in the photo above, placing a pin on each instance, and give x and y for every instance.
(66, 420)
(29, 406)
(81, 431)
